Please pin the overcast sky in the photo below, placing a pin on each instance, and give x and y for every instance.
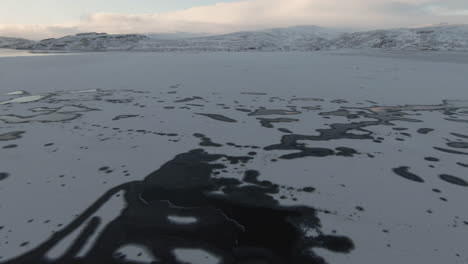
(38, 19)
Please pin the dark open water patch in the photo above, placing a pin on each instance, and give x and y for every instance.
(219, 117)
(457, 120)
(404, 172)
(285, 130)
(293, 142)
(459, 135)
(10, 146)
(123, 117)
(268, 122)
(243, 110)
(11, 135)
(341, 112)
(4, 175)
(188, 99)
(206, 141)
(263, 111)
(254, 93)
(308, 99)
(450, 151)
(458, 144)
(453, 180)
(425, 131)
(243, 225)
(462, 164)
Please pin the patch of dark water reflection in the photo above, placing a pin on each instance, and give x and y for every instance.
(341, 112)
(424, 131)
(285, 130)
(291, 142)
(219, 117)
(268, 122)
(41, 118)
(460, 135)
(382, 115)
(263, 111)
(10, 146)
(244, 224)
(123, 117)
(308, 99)
(453, 180)
(254, 93)
(4, 175)
(457, 120)
(189, 99)
(206, 141)
(405, 173)
(450, 151)
(462, 145)
(11, 135)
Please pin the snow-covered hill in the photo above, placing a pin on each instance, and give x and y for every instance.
(14, 42)
(295, 38)
(428, 38)
(89, 42)
(300, 38)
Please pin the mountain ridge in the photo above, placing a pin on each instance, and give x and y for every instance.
(298, 38)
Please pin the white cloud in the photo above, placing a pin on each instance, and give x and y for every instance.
(256, 14)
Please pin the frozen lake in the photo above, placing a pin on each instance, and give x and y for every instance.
(326, 157)
(27, 53)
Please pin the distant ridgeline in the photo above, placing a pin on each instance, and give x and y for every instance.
(301, 38)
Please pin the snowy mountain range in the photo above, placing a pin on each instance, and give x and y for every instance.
(14, 42)
(300, 38)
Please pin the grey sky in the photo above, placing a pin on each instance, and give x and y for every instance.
(52, 18)
(60, 11)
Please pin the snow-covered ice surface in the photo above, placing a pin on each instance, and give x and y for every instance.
(344, 157)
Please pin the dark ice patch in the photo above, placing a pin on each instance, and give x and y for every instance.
(462, 145)
(219, 117)
(425, 131)
(346, 152)
(206, 141)
(450, 151)
(457, 120)
(312, 108)
(123, 117)
(432, 159)
(268, 122)
(254, 93)
(404, 172)
(243, 110)
(236, 225)
(4, 175)
(341, 113)
(285, 130)
(188, 99)
(11, 135)
(459, 135)
(263, 111)
(308, 99)
(453, 180)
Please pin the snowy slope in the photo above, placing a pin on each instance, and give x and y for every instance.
(300, 38)
(295, 38)
(13, 42)
(427, 38)
(89, 42)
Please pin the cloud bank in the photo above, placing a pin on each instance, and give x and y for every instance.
(259, 14)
